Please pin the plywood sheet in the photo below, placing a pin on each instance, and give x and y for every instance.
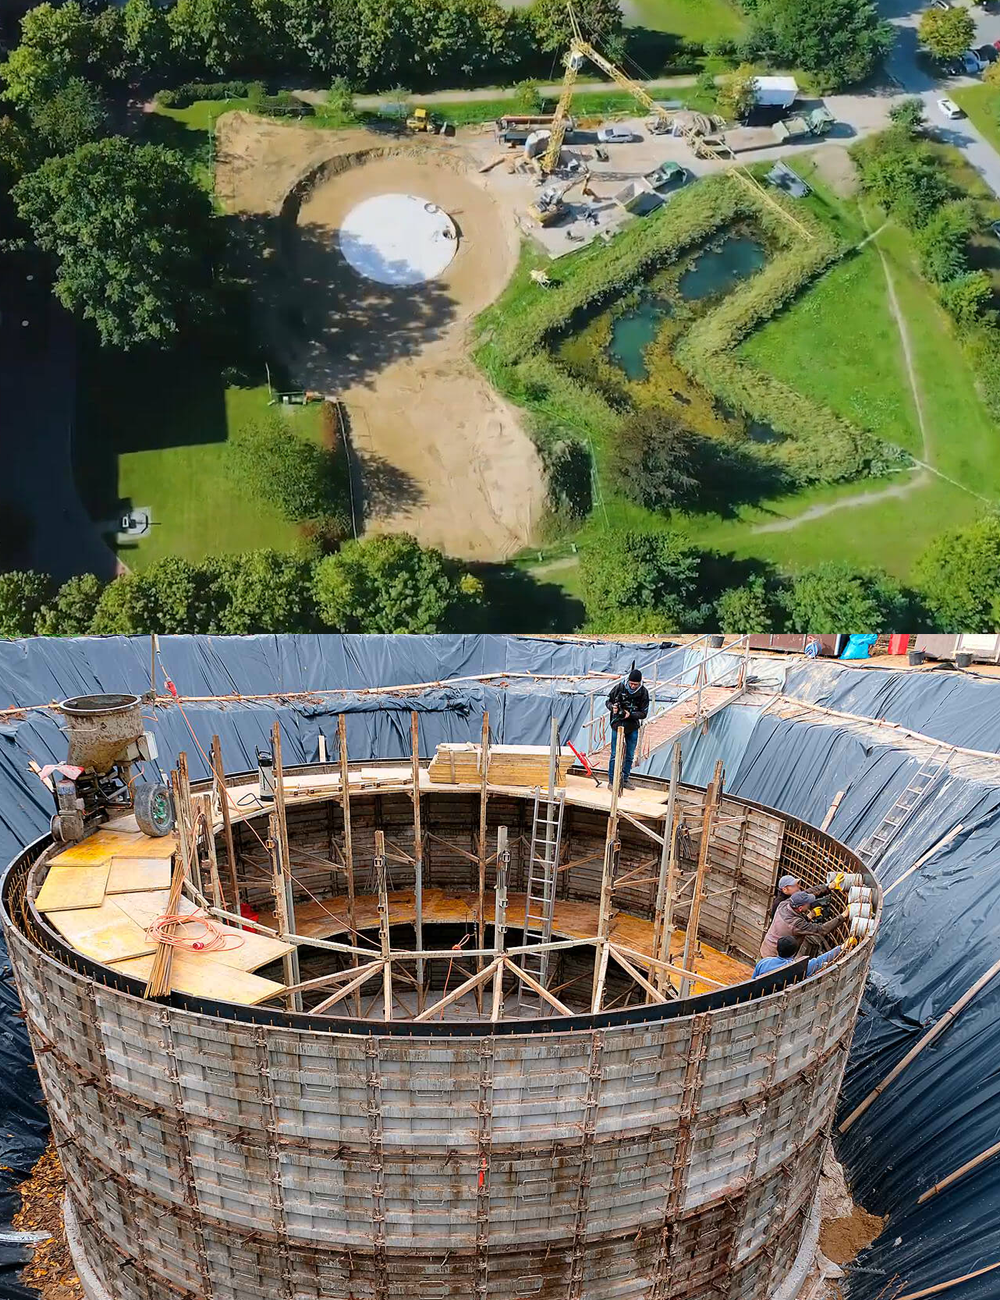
(103, 933)
(203, 976)
(130, 875)
(144, 908)
(71, 887)
(105, 844)
(256, 950)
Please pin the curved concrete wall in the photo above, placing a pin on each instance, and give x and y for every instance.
(213, 1156)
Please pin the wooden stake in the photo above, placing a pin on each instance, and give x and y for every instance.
(283, 880)
(691, 946)
(942, 843)
(663, 921)
(227, 820)
(611, 850)
(600, 974)
(484, 758)
(383, 921)
(280, 887)
(345, 804)
(418, 855)
(954, 1010)
(832, 809)
(205, 818)
(945, 1286)
(184, 798)
(960, 1172)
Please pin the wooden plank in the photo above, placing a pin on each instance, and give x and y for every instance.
(204, 976)
(103, 933)
(132, 875)
(95, 849)
(146, 907)
(70, 887)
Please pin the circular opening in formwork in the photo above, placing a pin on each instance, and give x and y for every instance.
(398, 239)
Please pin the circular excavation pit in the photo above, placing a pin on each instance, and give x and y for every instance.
(498, 1146)
(398, 239)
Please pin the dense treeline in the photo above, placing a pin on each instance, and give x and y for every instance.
(372, 43)
(839, 41)
(382, 584)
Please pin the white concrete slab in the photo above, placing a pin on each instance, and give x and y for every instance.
(398, 239)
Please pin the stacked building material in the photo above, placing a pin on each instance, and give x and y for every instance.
(517, 765)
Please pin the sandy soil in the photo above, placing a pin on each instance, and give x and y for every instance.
(835, 166)
(441, 455)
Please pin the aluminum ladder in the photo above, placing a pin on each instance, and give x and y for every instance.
(874, 845)
(540, 892)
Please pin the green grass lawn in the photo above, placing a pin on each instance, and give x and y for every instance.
(189, 131)
(153, 432)
(982, 103)
(696, 21)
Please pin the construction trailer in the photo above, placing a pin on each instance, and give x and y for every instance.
(775, 92)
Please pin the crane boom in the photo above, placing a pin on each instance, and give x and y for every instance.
(626, 83)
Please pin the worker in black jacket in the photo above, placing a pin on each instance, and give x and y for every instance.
(628, 704)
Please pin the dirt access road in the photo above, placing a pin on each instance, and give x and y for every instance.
(441, 455)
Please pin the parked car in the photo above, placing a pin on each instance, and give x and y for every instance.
(996, 229)
(972, 65)
(949, 108)
(940, 4)
(615, 135)
(986, 53)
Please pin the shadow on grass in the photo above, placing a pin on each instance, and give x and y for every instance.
(517, 602)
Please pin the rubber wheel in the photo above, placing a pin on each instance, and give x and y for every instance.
(154, 809)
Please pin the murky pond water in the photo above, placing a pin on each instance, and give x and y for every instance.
(632, 333)
(718, 270)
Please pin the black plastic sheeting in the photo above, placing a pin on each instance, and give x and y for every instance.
(939, 934)
(36, 671)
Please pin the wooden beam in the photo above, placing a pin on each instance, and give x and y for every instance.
(960, 1172)
(600, 972)
(383, 922)
(473, 982)
(284, 897)
(943, 842)
(206, 822)
(538, 988)
(280, 890)
(227, 820)
(824, 824)
(640, 827)
(611, 848)
(335, 977)
(629, 969)
(946, 1286)
(484, 759)
(184, 797)
(655, 963)
(953, 1011)
(418, 855)
(362, 976)
(691, 946)
(666, 889)
(500, 917)
(345, 804)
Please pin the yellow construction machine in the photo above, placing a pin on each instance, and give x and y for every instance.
(422, 119)
(550, 206)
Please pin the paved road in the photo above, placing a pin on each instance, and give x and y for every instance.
(915, 77)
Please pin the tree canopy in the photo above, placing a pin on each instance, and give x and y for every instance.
(947, 33)
(904, 176)
(839, 41)
(73, 115)
(750, 608)
(22, 595)
(392, 584)
(835, 597)
(55, 45)
(653, 459)
(738, 93)
(267, 463)
(130, 231)
(640, 582)
(958, 577)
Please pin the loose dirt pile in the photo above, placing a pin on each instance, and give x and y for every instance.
(441, 455)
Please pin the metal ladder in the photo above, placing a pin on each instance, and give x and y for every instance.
(540, 892)
(874, 845)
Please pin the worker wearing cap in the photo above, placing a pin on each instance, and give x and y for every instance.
(628, 704)
(789, 885)
(788, 950)
(792, 920)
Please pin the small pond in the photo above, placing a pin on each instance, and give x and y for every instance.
(718, 269)
(632, 332)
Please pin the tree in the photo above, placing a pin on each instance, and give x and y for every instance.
(327, 33)
(839, 41)
(992, 74)
(903, 176)
(54, 46)
(967, 297)
(653, 459)
(634, 582)
(22, 595)
(834, 597)
(946, 33)
(738, 93)
(131, 232)
(71, 611)
(943, 242)
(171, 596)
(340, 99)
(72, 116)
(392, 584)
(271, 466)
(147, 36)
(261, 591)
(598, 20)
(958, 577)
(909, 114)
(749, 608)
(527, 97)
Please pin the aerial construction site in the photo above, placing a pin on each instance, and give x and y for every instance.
(419, 1002)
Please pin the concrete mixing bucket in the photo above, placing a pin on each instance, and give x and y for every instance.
(101, 729)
